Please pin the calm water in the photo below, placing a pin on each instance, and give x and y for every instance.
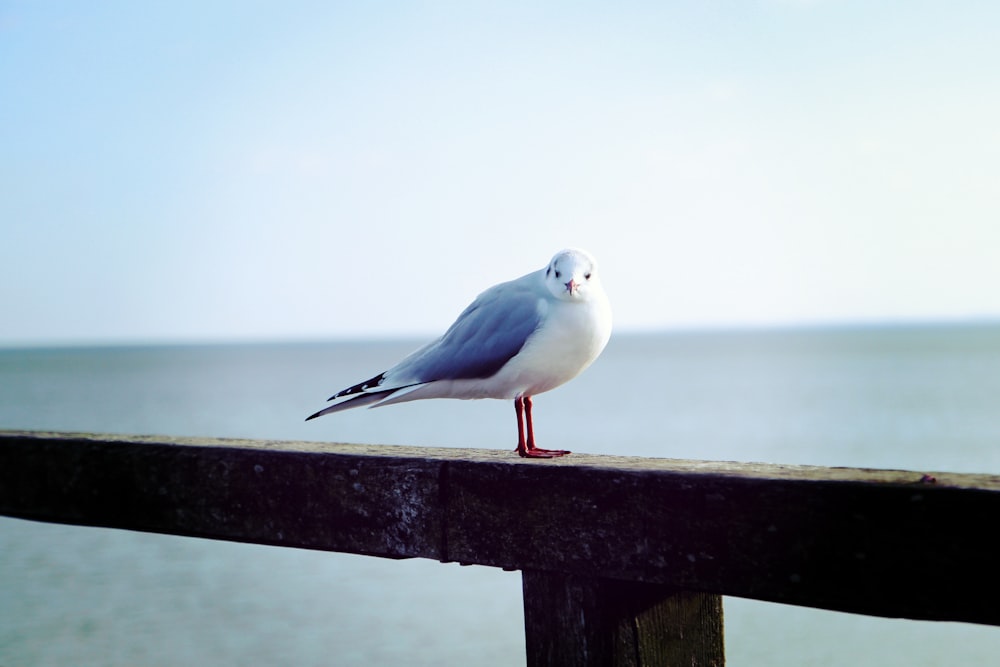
(921, 398)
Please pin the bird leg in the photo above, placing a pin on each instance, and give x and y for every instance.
(526, 433)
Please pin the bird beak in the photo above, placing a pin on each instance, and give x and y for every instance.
(572, 286)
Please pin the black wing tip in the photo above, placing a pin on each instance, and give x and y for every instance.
(360, 387)
(314, 415)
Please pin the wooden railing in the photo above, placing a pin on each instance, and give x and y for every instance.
(624, 560)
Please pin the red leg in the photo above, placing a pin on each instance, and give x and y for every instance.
(519, 409)
(530, 424)
(526, 433)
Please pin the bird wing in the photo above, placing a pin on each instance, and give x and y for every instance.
(487, 334)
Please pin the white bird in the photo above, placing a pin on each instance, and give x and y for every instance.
(517, 339)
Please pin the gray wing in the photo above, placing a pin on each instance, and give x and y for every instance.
(485, 336)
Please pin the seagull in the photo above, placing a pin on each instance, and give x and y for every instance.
(517, 339)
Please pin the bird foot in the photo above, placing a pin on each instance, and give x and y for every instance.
(539, 453)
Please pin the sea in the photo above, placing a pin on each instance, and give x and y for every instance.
(917, 397)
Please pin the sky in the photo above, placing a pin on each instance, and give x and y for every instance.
(249, 171)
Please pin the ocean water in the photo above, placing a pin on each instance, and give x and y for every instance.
(922, 398)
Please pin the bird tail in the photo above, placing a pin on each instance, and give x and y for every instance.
(356, 402)
(372, 399)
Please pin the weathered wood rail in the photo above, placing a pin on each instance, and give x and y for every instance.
(624, 560)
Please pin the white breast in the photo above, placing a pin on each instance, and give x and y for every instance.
(571, 337)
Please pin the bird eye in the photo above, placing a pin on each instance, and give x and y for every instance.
(558, 274)
(587, 275)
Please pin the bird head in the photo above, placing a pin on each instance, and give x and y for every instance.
(571, 275)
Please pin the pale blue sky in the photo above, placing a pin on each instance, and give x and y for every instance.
(253, 170)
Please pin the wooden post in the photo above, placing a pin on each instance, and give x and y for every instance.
(578, 620)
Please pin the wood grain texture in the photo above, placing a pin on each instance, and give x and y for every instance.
(574, 620)
(878, 542)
